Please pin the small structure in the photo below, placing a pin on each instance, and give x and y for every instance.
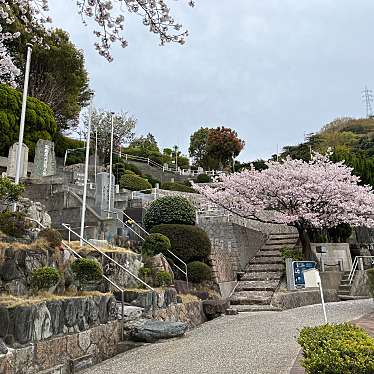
(12, 160)
(45, 159)
(102, 193)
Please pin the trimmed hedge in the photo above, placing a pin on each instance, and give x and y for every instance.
(199, 272)
(134, 183)
(172, 186)
(203, 178)
(339, 349)
(169, 209)
(40, 120)
(52, 236)
(44, 278)
(190, 243)
(155, 243)
(163, 279)
(86, 270)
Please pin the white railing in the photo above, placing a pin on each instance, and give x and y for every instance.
(358, 262)
(145, 233)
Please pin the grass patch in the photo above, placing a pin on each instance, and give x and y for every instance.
(87, 249)
(188, 298)
(37, 245)
(11, 301)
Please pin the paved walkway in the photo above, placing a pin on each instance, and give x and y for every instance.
(258, 343)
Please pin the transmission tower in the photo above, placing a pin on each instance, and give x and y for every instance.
(367, 96)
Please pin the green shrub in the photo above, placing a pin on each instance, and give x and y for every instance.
(86, 270)
(129, 172)
(163, 279)
(340, 349)
(152, 180)
(40, 120)
(155, 243)
(172, 186)
(169, 209)
(199, 272)
(13, 224)
(9, 191)
(203, 178)
(294, 254)
(134, 183)
(44, 278)
(370, 274)
(190, 243)
(62, 143)
(145, 274)
(132, 167)
(52, 236)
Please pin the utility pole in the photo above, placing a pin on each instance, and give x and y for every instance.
(111, 165)
(83, 215)
(23, 115)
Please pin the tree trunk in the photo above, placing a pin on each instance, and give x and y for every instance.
(309, 255)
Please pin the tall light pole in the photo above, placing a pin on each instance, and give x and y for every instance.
(23, 115)
(176, 157)
(83, 215)
(111, 165)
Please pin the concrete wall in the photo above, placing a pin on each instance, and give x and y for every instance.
(360, 284)
(335, 251)
(232, 246)
(331, 279)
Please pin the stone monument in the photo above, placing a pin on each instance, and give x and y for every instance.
(12, 161)
(102, 193)
(45, 159)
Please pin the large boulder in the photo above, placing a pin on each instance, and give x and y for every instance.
(215, 308)
(160, 263)
(145, 330)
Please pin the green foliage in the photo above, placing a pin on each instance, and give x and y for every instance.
(370, 274)
(169, 209)
(203, 178)
(52, 236)
(145, 274)
(172, 186)
(57, 75)
(121, 167)
(146, 145)
(294, 254)
(13, 224)
(197, 149)
(9, 191)
(44, 278)
(62, 143)
(86, 270)
(40, 120)
(339, 349)
(199, 272)
(152, 180)
(190, 243)
(154, 244)
(134, 183)
(163, 279)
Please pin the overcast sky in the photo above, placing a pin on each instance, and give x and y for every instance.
(270, 69)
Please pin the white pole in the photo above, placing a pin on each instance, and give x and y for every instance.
(323, 301)
(83, 216)
(110, 166)
(23, 115)
(95, 154)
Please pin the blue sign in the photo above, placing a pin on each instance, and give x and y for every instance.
(298, 271)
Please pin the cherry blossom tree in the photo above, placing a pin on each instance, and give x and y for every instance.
(314, 194)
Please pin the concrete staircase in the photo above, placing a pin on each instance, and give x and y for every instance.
(344, 288)
(261, 278)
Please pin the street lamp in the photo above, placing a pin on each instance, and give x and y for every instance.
(23, 115)
(111, 165)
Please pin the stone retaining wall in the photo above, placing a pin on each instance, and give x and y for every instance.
(26, 324)
(64, 354)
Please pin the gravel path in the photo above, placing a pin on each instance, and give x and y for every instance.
(258, 343)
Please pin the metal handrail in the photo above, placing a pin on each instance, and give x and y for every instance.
(185, 272)
(76, 254)
(108, 257)
(354, 267)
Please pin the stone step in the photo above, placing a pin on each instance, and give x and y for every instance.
(260, 285)
(272, 247)
(283, 236)
(251, 297)
(269, 253)
(282, 240)
(344, 287)
(266, 268)
(267, 260)
(261, 276)
(344, 292)
(255, 308)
